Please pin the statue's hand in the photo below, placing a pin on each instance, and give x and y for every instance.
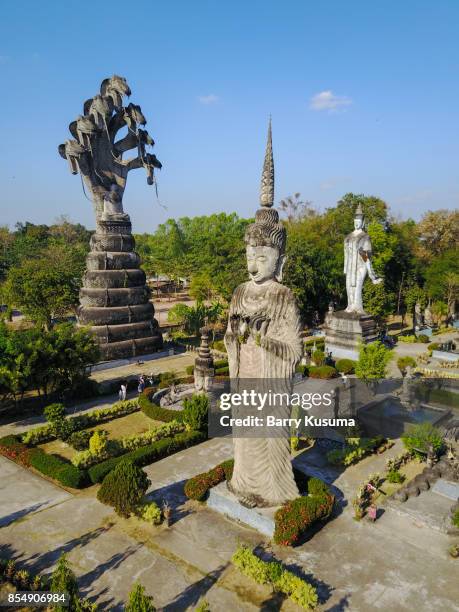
(258, 326)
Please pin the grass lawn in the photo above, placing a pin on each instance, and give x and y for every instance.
(134, 423)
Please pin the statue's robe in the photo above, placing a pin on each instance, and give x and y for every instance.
(262, 465)
(355, 245)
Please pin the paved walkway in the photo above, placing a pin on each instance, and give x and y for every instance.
(392, 565)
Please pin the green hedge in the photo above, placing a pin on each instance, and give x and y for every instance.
(198, 486)
(153, 410)
(55, 467)
(354, 450)
(296, 516)
(346, 366)
(324, 372)
(147, 454)
(274, 573)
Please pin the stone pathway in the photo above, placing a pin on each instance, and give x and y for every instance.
(392, 565)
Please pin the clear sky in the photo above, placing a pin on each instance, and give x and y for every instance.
(363, 95)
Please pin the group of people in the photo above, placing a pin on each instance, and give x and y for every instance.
(142, 383)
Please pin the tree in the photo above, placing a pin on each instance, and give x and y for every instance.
(438, 232)
(294, 208)
(139, 601)
(124, 487)
(413, 295)
(194, 317)
(46, 287)
(63, 580)
(442, 278)
(378, 301)
(201, 288)
(372, 362)
(195, 412)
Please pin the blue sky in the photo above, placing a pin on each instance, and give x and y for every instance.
(363, 96)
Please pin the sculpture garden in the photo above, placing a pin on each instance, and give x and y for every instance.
(247, 412)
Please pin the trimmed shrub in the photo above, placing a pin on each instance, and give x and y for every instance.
(410, 339)
(421, 436)
(153, 410)
(147, 454)
(39, 435)
(98, 442)
(354, 450)
(198, 486)
(124, 487)
(455, 519)
(12, 447)
(423, 339)
(273, 572)
(139, 601)
(318, 341)
(404, 362)
(219, 345)
(346, 366)
(296, 516)
(395, 477)
(220, 363)
(324, 372)
(54, 413)
(55, 467)
(80, 440)
(195, 412)
(224, 371)
(149, 512)
(318, 357)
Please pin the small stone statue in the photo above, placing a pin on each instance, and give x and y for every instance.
(357, 263)
(418, 318)
(263, 342)
(428, 319)
(203, 364)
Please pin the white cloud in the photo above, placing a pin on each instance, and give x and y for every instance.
(328, 101)
(210, 99)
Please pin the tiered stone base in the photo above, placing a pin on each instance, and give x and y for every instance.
(345, 331)
(114, 299)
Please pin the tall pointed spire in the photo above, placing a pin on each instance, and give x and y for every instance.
(267, 177)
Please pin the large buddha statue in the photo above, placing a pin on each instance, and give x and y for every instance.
(357, 263)
(263, 342)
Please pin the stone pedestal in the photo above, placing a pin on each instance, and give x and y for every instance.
(345, 331)
(114, 299)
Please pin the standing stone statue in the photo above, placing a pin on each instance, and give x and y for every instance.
(357, 263)
(203, 364)
(418, 316)
(428, 318)
(263, 342)
(114, 300)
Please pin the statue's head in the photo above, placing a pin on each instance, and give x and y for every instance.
(265, 246)
(359, 218)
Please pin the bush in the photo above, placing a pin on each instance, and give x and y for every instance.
(153, 410)
(63, 580)
(195, 412)
(98, 442)
(39, 435)
(410, 339)
(421, 436)
(404, 362)
(354, 450)
(273, 572)
(124, 487)
(139, 601)
(55, 467)
(80, 440)
(296, 516)
(149, 512)
(346, 366)
(219, 345)
(455, 519)
(423, 339)
(318, 357)
(147, 454)
(433, 346)
(224, 371)
(323, 372)
(395, 477)
(61, 426)
(12, 447)
(319, 342)
(220, 363)
(198, 486)
(303, 370)
(189, 370)
(54, 413)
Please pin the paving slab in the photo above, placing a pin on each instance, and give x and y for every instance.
(446, 489)
(22, 492)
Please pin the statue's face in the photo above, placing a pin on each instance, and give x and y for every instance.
(358, 223)
(262, 263)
